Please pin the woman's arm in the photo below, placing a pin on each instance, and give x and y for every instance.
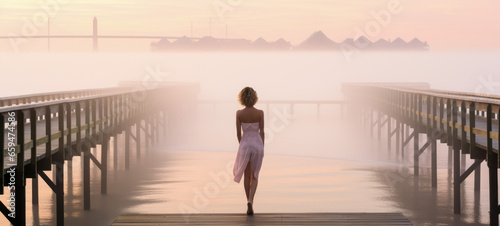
(261, 125)
(238, 126)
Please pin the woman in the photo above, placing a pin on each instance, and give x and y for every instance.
(251, 149)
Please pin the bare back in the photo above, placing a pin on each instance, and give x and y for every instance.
(249, 115)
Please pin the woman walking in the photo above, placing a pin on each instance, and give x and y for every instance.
(251, 148)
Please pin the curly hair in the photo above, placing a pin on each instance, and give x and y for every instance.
(248, 97)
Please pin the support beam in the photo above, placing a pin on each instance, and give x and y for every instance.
(47, 180)
(398, 137)
(78, 114)
(408, 139)
(389, 133)
(450, 156)
(147, 134)
(86, 179)
(415, 155)
(493, 170)
(31, 168)
(473, 150)
(104, 164)
(152, 128)
(115, 152)
(371, 123)
(85, 156)
(60, 193)
(423, 148)
(69, 148)
(416, 151)
(138, 139)
(473, 167)
(403, 141)
(5, 211)
(45, 163)
(20, 186)
(127, 147)
(433, 139)
(477, 178)
(156, 125)
(456, 161)
(379, 120)
(2, 147)
(34, 163)
(94, 119)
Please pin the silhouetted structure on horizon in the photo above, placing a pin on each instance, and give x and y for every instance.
(317, 41)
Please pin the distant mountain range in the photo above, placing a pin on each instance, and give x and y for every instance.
(317, 41)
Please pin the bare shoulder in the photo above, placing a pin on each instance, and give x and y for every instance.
(261, 112)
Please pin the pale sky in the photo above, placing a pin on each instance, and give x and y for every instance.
(445, 24)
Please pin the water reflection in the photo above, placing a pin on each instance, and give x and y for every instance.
(425, 205)
(184, 177)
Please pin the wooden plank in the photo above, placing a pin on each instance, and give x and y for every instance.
(264, 219)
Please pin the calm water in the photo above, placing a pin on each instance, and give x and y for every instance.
(182, 177)
(312, 163)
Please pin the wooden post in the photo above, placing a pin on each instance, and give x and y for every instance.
(78, 111)
(416, 120)
(86, 154)
(138, 139)
(472, 140)
(147, 133)
(60, 193)
(433, 137)
(371, 121)
(69, 148)
(94, 120)
(493, 170)
(127, 147)
(403, 121)
(154, 128)
(456, 161)
(389, 132)
(46, 163)
(20, 185)
(33, 165)
(379, 131)
(115, 152)
(2, 146)
(104, 150)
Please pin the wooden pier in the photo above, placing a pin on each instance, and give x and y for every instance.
(50, 129)
(359, 219)
(467, 122)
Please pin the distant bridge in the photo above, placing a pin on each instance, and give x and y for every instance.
(95, 37)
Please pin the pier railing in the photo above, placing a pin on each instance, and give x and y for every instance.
(63, 125)
(466, 122)
(52, 96)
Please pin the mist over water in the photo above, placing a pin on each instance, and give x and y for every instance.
(275, 76)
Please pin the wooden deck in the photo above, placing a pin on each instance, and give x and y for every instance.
(264, 219)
